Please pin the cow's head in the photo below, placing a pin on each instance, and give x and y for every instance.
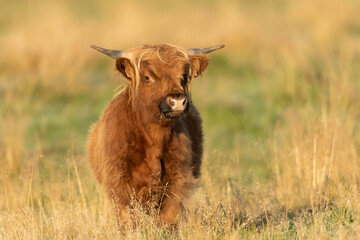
(160, 77)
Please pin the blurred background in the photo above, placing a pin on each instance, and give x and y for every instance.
(280, 103)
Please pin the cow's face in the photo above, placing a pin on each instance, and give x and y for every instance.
(162, 78)
(164, 88)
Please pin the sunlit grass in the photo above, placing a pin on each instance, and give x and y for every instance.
(280, 106)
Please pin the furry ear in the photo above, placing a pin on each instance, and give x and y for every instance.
(198, 62)
(124, 66)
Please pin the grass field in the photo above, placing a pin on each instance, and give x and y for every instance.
(280, 104)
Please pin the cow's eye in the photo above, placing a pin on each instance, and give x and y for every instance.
(147, 78)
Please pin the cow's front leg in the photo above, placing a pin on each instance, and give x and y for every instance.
(118, 190)
(177, 191)
(170, 210)
(120, 205)
(178, 177)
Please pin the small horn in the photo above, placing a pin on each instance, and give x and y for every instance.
(193, 51)
(111, 53)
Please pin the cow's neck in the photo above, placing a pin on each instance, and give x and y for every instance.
(154, 134)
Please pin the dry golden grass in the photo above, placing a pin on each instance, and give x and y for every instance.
(282, 120)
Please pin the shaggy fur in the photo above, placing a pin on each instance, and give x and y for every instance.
(136, 152)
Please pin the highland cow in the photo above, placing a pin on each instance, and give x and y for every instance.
(148, 142)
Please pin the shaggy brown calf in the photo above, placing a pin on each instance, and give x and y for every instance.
(147, 144)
